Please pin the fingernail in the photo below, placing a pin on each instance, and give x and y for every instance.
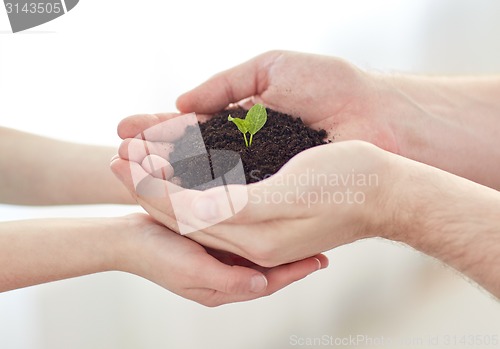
(319, 264)
(205, 209)
(258, 283)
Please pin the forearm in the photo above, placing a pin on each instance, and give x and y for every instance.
(454, 220)
(36, 170)
(39, 251)
(451, 123)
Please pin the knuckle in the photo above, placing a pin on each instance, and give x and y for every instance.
(234, 284)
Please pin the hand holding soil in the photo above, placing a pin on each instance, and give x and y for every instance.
(449, 123)
(323, 197)
(435, 120)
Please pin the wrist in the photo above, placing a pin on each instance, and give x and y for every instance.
(404, 107)
(109, 239)
(129, 251)
(453, 220)
(414, 189)
(439, 213)
(441, 120)
(122, 241)
(423, 201)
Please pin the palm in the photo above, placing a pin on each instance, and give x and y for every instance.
(325, 92)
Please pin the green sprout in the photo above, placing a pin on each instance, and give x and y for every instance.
(255, 119)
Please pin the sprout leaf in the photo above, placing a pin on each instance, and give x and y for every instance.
(255, 119)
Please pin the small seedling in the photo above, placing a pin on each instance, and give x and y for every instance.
(252, 123)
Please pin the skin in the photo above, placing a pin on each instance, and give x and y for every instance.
(39, 251)
(36, 170)
(451, 214)
(435, 120)
(441, 214)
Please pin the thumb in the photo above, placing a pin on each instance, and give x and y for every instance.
(230, 86)
(241, 280)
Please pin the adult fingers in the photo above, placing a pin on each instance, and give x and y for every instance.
(152, 191)
(133, 125)
(283, 275)
(137, 180)
(166, 127)
(136, 150)
(164, 200)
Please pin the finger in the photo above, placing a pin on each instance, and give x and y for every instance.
(231, 86)
(122, 169)
(133, 125)
(233, 279)
(283, 275)
(156, 127)
(237, 284)
(162, 199)
(142, 185)
(323, 260)
(136, 150)
(151, 193)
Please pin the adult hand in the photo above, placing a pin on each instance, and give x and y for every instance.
(338, 193)
(436, 120)
(324, 197)
(325, 92)
(420, 118)
(334, 194)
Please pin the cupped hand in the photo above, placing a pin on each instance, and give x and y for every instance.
(325, 92)
(324, 197)
(206, 276)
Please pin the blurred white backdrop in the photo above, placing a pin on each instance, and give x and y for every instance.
(75, 78)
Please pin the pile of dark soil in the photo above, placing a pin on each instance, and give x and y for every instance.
(281, 138)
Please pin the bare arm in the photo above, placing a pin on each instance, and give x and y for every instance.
(36, 170)
(40, 251)
(452, 219)
(379, 194)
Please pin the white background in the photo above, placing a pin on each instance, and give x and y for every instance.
(76, 77)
